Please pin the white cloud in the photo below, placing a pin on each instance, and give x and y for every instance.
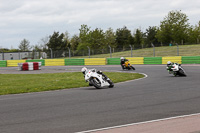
(34, 19)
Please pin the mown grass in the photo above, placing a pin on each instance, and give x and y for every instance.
(184, 50)
(24, 83)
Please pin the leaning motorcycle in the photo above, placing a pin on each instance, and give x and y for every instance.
(176, 69)
(127, 66)
(98, 80)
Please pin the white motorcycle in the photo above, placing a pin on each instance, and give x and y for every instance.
(176, 69)
(98, 80)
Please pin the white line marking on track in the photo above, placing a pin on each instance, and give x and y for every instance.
(132, 124)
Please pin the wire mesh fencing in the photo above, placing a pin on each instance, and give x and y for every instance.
(177, 50)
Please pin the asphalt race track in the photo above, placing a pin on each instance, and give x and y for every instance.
(158, 96)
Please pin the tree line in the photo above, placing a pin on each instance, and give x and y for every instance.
(174, 29)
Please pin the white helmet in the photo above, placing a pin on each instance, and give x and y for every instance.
(83, 69)
(122, 58)
(169, 63)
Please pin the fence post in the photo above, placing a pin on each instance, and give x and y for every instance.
(131, 50)
(153, 49)
(35, 54)
(110, 51)
(88, 51)
(69, 52)
(19, 55)
(51, 53)
(2, 55)
(177, 49)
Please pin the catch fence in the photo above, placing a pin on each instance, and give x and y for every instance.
(181, 50)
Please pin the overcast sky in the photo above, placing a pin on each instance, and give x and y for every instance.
(36, 19)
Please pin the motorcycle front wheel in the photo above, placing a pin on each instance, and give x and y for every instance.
(96, 82)
(182, 73)
(132, 67)
(111, 84)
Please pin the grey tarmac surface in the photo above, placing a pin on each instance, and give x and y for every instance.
(158, 96)
(182, 124)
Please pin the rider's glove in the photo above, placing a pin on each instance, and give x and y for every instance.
(99, 72)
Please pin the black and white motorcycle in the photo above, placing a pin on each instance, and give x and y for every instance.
(175, 69)
(97, 78)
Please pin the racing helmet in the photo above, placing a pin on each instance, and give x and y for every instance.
(169, 63)
(122, 58)
(83, 70)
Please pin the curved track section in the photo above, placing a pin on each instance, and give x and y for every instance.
(156, 97)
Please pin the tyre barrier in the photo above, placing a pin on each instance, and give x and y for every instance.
(29, 66)
(177, 59)
(113, 61)
(105, 61)
(37, 60)
(3, 63)
(95, 61)
(54, 62)
(136, 60)
(14, 63)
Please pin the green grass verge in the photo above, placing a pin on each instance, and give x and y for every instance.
(24, 83)
(184, 50)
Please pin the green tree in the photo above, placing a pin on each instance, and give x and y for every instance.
(56, 41)
(75, 40)
(42, 44)
(151, 36)
(110, 38)
(56, 44)
(84, 33)
(174, 28)
(139, 42)
(194, 34)
(24, 45)
(37, 47)
(66, 40)
(84, 38)
(97, 39)
(123, 38)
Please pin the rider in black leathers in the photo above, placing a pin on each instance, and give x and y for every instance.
(122, 62)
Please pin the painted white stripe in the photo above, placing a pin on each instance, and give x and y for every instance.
(132, 124)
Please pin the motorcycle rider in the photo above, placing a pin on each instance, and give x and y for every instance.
(169, 66)
(178, 71)
(122, 62)
(84, 70)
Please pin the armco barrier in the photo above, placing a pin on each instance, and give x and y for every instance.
(95, 61)
(37, 60)
(190, 59)
(176, 59)
(3, 63)
(152, 60)
(113, 61)
(74, 62)
(136, 60)
(54, 62)
(14, 63)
